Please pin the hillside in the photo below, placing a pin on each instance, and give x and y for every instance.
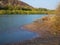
(5, 3)
(20, 7)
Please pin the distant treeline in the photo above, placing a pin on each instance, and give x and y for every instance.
(24, 10)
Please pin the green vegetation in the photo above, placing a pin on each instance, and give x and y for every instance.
(24, 12)
(19, 7)
(9, 9)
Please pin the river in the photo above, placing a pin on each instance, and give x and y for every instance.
(10, 31)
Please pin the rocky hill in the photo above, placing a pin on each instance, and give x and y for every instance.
(21, 4)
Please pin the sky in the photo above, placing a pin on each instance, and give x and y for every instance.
(49, 4)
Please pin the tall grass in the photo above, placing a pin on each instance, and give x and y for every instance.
(57, 18)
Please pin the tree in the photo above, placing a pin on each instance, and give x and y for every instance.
(9, 6)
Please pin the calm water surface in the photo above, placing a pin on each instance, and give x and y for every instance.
(10, 28)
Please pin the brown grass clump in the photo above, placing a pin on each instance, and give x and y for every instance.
(48, 26)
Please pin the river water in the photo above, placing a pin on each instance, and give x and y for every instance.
(10, 30)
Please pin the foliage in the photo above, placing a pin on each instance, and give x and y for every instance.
(17, 9)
